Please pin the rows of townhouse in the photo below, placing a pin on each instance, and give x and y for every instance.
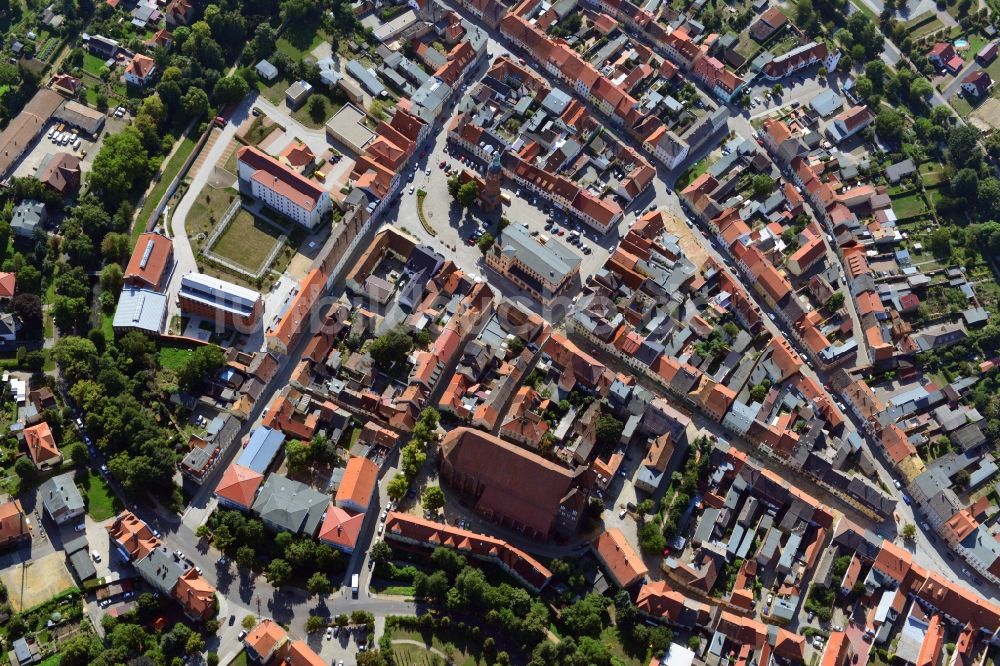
(612, 99)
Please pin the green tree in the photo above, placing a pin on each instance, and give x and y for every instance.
(909, 531)
(297, 456)
(112, 278)
(468, 193)
(889, 125)
(278, 572)
(230, 89)
(763, 185)
(317, 108)
(195, 102)
(381, 552)
(319, 584)
(315, 623)
(201, 365)
(835, 302)
(585, 617)
(921, 90)
(391, 348)
(651, 539)
(249, 622)
(485, 242)
(377, 110)
(397, 487)
(195, 644)
(115, 247)
(121, 162)
(962, 478)
(432, 498)
(25, 469)
(246, 556)
(609, 430)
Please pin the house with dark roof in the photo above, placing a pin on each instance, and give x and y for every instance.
(289, 506)
(60, 172)
(976, 84)
(61, 498)
(770, 22)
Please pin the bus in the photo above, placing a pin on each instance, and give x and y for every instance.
(354, 586)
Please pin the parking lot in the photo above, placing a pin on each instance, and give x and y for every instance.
(46, 146)
(456, 229)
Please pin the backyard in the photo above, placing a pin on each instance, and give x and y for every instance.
(299, 40)
(909, 206)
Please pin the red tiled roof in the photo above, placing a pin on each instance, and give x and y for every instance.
(401, 526)
(341, 528)
(41, 443)
(274, 175)
(150, 259)
(239, 485)
(358, 482)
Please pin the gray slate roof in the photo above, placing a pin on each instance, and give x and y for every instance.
(60, 496)
(290, 505)
(552, 257)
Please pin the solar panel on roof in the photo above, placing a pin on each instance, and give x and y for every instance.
(145, 255)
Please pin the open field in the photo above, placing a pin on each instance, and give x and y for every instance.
(247, 241)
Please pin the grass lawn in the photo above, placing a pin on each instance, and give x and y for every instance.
(628, 654)
(247, 241)
(107, 326)
(305, 116)
(993, 69)
(275, 92)
(976, 43)
(93, 65)
(101, 504)
(407, 655)
(206, 210)
(257, 132)
(909, 206)
(396, 590)
(240, 659)
(933, 195)
(927, 28)
(864, 9)
(173, 358)
(961, 106)
(297, 41)
(169, 173)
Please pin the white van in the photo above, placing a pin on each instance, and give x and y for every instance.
(77, 143)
